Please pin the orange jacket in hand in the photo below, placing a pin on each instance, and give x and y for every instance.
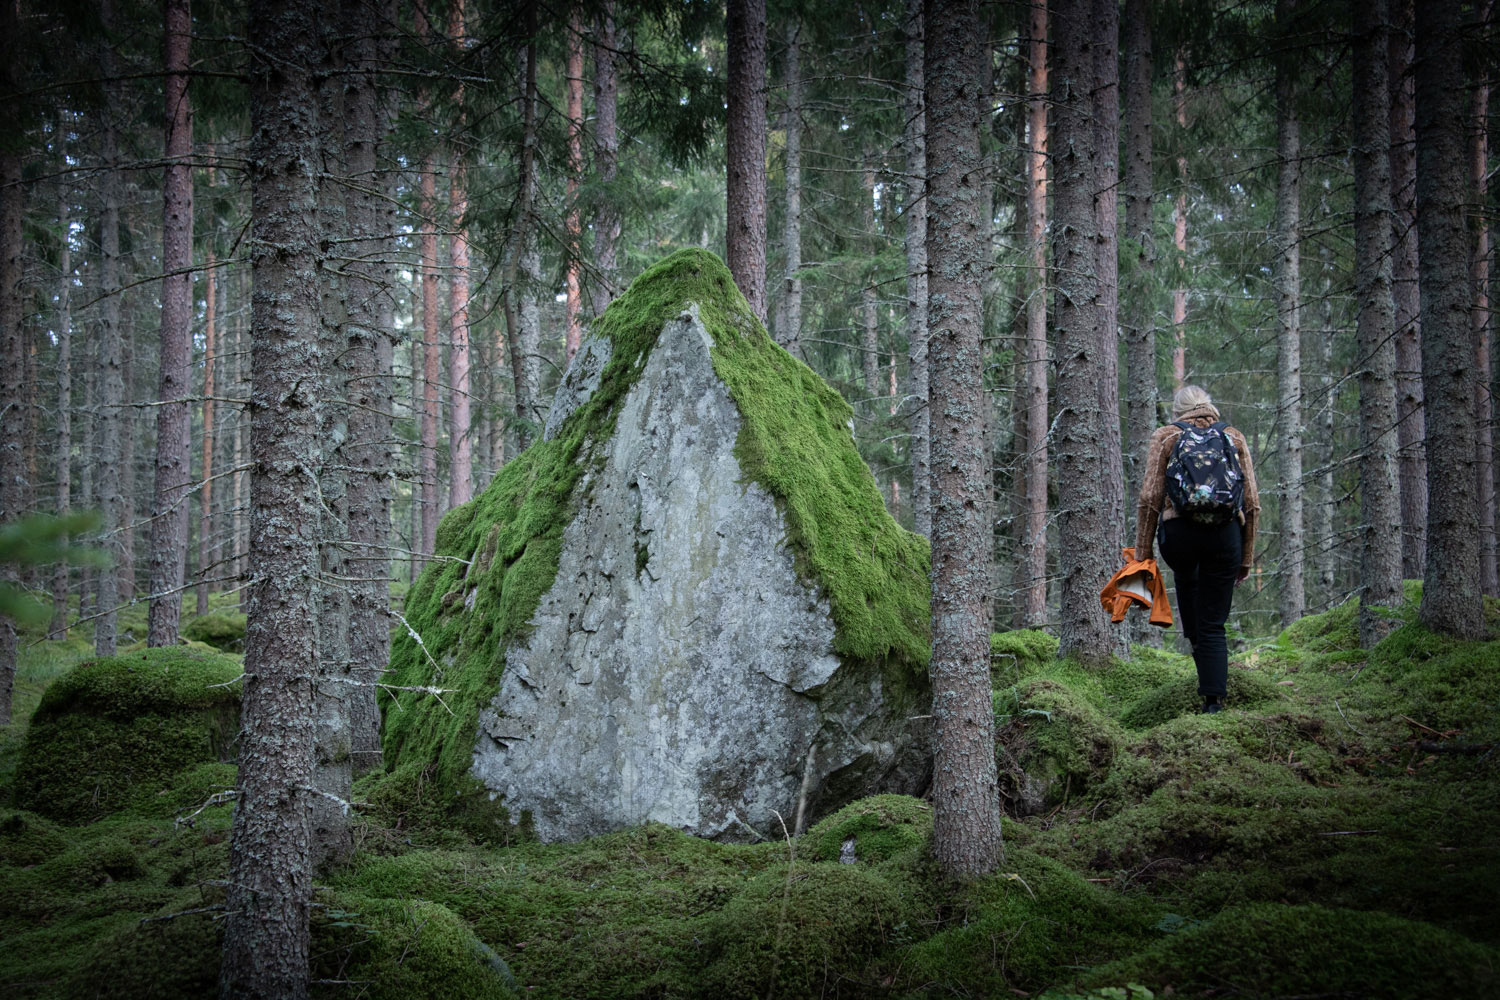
(1137, 582)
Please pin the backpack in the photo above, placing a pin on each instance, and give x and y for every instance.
(1204, 480)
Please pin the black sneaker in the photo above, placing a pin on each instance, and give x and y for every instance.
(1212, 705)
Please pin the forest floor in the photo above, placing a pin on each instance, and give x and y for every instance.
(1332, 834)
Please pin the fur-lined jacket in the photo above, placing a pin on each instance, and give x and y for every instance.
(1153, 503)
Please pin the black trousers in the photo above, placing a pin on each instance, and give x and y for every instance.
(1204, 559)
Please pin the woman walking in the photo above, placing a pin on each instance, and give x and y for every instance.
(1199, 505)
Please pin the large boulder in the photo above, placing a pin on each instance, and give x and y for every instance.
(685, 604)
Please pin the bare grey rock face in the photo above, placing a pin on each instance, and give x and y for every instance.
(678, 670)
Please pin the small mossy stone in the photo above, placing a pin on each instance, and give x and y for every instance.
(1019, 653)
(114, 730)
(1051, 742)
(1180, 697)
(882, 827)
(1269, 950)
(223, 630)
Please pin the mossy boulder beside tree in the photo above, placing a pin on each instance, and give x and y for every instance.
(686, 603)
(115, 729)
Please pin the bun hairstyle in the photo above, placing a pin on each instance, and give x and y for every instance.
(1189, 398)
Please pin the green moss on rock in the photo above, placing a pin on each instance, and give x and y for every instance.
(111, 731)
(223, 630)
(498, 554)
(1179, 696)
(882, 827)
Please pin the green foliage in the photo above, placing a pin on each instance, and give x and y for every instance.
(113, 730)
(223, 630)
(498, 554)
(40, 540)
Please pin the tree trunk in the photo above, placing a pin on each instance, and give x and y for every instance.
(169, 508)
(606, 161)
(1032, 352)
(869, 351)
(1379, 507)
(1322, 547)
(367, 385)
(1411, 431)
(1451, 601)
(111, 376)
(429, 429)
(270, 864)
(64, 430)
(914, 141)
(1288, 277)
(1480, 326)
(745, 147)
(1087, 556)
(460, 429)
(12, 344)
(527, 331)
(1179, 229)
(1106, 120)
(966, 814)
(789, 330)
(572, 224)
(1140, 324)
(205, 509)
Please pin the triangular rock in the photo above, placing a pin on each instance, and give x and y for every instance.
(732, 622)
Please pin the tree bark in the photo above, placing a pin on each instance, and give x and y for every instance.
(206, 468)
(169, 508)
(914, 141)
(572, 224)
(789, 329)
(429, 428)
(1288, 277)
(1179, 229)
(111, 375)
(1379, 506)
(60, 577)
(460, 416)
(1032, 352)
(1411, 431)
(1084, 536)
(606, 160)
(1480, 325)
(527, 333)
(12, 344)
(745, 146)
(367, 385)
(1140, 324)
(966, 814)
(869, 352)
(1106, 119)
(1451, 601)
(270, 866)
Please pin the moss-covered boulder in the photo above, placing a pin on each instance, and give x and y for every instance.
(116, 730)
(220, 629)
(685, 604)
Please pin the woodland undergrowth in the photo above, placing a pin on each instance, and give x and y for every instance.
(1331, 834)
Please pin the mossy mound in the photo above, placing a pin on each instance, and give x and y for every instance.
(223, 630)
(1052, 742)
(1266, 950)
(1179, 696)
(115, 730)
(882, 827)
(1024, 928)
(498, 554)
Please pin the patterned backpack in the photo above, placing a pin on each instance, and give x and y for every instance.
(1204, 480)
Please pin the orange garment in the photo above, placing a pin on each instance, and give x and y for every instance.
(1137, 582)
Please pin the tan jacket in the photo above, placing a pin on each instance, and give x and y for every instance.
(1153, 504)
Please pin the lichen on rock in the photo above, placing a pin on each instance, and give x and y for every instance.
(681, 602)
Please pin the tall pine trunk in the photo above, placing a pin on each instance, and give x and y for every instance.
(1140, 323)
(206, 466)
(169, 507)
(869, 349)
(12, 344)
(526, 329)
(111, 398)
(1032, 351)
(1106, 120)
(1086, 554)
(1179, 228)
(1481, 324)
(1379, 506)
(428, 471)
(460, 413)
(966, 813)
(270, 865)
(914, 141)
(572, 221)
(606, 160)
(1451, 601)
(59, 626)
(745, 144)
(789, 325)
(1411, 431)
(1287, 239)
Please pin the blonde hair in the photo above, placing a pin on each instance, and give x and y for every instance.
(1191, 397)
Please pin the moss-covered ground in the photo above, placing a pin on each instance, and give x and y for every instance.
(1332, 834)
